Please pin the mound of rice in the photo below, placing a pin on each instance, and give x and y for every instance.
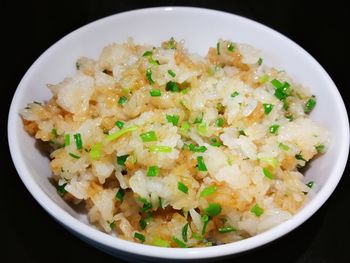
(172, 149)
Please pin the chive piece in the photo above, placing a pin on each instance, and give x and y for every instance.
(274, 128)
(184, 232)
(112, 225)
(194, 148)
(155, 93)
(172, 86)
(179, 242)
(201, 165)
(120, 194)
(199, 118)
(54, 133)
(160, 242)
(281, 90)
(257, 210)
(122, 159)
(174, 119)
(153, 171)
(143, 223)
(119, 124)
(146, 205)
(209, 190)
(290, 117)
(310, 184)
(160, 148)
(160, 203)
(185, 126)
(320, 148)
(197, 236)
(95, 151)
(185, 91)
(213, 209)
(182, 187)
(260, 61)
(78, 141)
(171, 43)
(299, 157)
(310, 104)
(267, 108)
(267, 173)
(277, 84)
(147, 53)
(218, 48)
(149, 76)
(74, 155)
(140, 237)
(270, 161)
(205, 219)
(61, 189)
(283, 147)
(241, 132)
(116, 135)
(201, 128)
(234, 94)
(67, 139)
(150, 136)
(226, 229)
(219, 122)
(215, 142)
(122, 100)
(263, 78)
(231, 47)
(171, 73)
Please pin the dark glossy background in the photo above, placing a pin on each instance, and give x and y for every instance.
(28, 29)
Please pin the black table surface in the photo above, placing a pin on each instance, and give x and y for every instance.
(29, 28)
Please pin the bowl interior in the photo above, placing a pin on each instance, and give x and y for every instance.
(200, 29)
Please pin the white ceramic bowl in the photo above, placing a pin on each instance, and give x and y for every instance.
(200, 28)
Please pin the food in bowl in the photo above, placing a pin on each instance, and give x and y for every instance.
(172, 149)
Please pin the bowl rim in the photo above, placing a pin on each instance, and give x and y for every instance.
(113, 243)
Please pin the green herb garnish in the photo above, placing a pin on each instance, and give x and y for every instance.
(172, 86)
(209, 190)
(139, 236)
(267, 173)
(201, 165)
(267, 108)
(150, 136)
(155, 93)
(153, 171)
(120, 194)
(171, 73)
(182, 187)
(174, 119)
(257, 210)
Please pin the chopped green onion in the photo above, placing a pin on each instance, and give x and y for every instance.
(201, 128)
(283, 147)
(310, 104)
(310, 184)
(199, 118)
(179, 242)
(320, 148)
(201, 165)
(263, 78)
(153, 171)
(260, 61)
(146, 205)
(290, 117)
(257, 210)
(267, 108)
(152, 61)
(61, 189)
(219, 122)
(147, 53)
(185, 91)
(172, 86)
(205, 219)
(54, 133)
(171, 43)
(270, 161)
(185, 126)
(160, 242)
(220, 108)
(218, 48)
(112, 224)
(139, 236)
(299, 157)
(209, 190)
(120, 194)
(149, 76)
(74, 155)
(155, 93)
(150, 136)
(267, 173)
(215, 142)
(184, 232)
(143, 223)
(122, 100)
(174, 119)
(160, 148)
(274, 128)
(231, 47)
(171, 73)
(194, 148)
(121, 159)
(67, 139)
(197, 236)
(234, 94)
(116, 135)
(160, 203)
(182, 187)
(226, 229)
(281, 90)
(78, 141)
(95, 151)
(213, 209)
(241, 132)
(119, 124)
